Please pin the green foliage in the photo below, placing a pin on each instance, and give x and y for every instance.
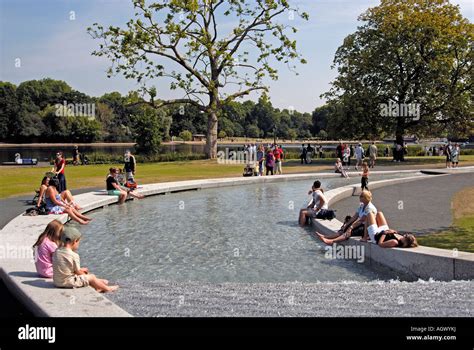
(24, 121)
(322, 134)
(214, 62)
(405, 52)
(186, 135)
(147, 130)
(106, 158)
(8, 109)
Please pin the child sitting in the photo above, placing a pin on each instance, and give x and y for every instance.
(340, 169)
(121, 177)
(45, 246)
(67, 271)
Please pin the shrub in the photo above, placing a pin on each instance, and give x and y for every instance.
(186, 135)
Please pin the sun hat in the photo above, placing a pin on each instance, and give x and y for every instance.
(70, 234)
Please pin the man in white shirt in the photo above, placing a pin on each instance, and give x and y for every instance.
(359, 153)
(318, 202)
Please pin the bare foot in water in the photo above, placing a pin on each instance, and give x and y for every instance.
(112, 288)
(324, 239)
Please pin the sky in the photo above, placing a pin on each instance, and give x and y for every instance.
(51, 41)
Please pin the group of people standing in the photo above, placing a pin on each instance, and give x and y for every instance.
(308, 152)
(271, 159)
(345, 153)
(452, 155)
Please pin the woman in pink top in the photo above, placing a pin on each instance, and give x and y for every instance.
(45, 246)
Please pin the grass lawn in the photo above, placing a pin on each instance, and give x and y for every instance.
(461, 235)
(23, 180)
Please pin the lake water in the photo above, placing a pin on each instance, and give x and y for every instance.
(47, 153)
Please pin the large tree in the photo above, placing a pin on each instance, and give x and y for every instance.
(187, 41)
(414, 53)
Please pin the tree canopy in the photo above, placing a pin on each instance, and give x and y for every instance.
(187, 43)
(412, 53)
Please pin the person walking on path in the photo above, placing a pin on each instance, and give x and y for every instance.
(351, 154)
(309, 154)
(75, 156)
(346, 154)
(372, 154)
(455, 155)
(58, 170)
(448, 150)
(303, 155)
(364, 181)
(359, 153)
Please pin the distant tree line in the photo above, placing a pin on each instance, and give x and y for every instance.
(50, 111)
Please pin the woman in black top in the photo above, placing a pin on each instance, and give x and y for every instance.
(114, 188)
(391, 239)
(388, 238)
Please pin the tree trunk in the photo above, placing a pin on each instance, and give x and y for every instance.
(211, 142)
(400, 131)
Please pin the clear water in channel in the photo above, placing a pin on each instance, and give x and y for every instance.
(245, 233)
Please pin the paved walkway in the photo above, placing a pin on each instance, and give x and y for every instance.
(420, 206)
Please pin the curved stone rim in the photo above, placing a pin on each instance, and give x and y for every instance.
(420, 262)
(44, 300)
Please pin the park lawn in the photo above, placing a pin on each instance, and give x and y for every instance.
(461, 235)
(24, 180)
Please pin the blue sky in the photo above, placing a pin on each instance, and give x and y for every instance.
(49, 44)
